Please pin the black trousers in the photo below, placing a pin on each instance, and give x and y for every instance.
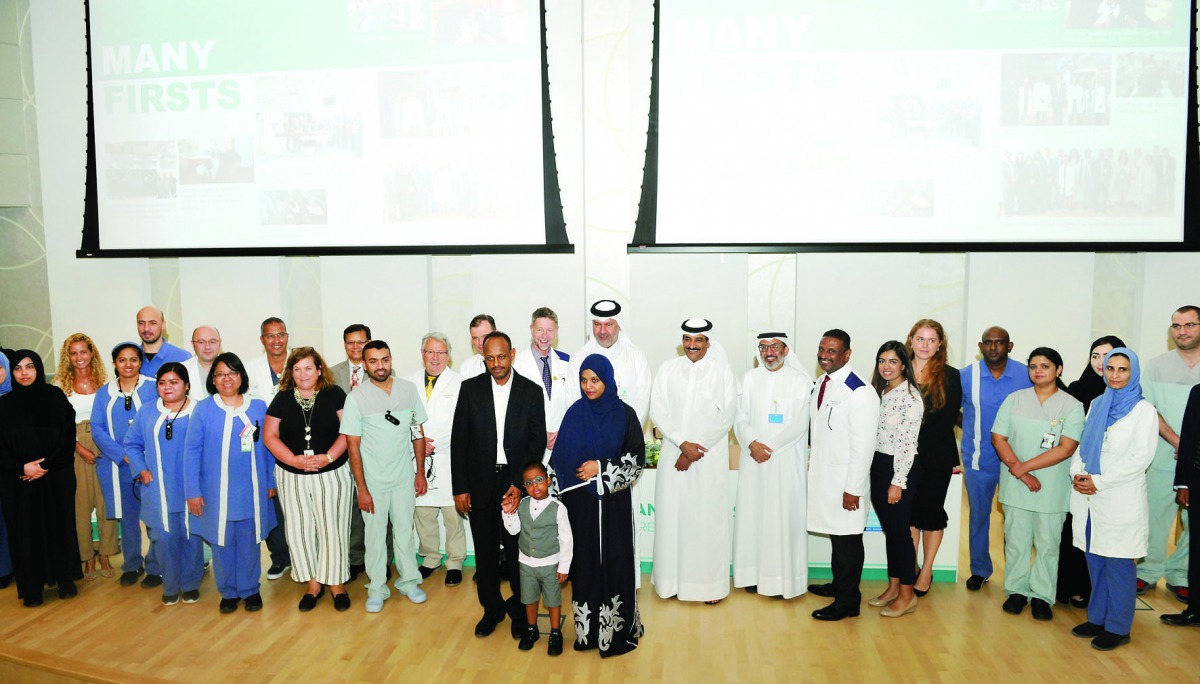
(488, 532)
(846, 561)
(1073, 577)
(277, 538)
(1194, 549)
(895, 518)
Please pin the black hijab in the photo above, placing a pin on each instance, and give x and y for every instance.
(1089, 385)
(39, 400)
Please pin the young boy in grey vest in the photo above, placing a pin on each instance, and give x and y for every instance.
(544, 546)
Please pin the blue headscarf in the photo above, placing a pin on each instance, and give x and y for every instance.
(592, 429)
(1107, 409)
(6, 386)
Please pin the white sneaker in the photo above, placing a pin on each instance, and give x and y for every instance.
(374, 605)
(414, 593)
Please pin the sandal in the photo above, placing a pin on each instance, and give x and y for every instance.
(89, 569)
(106, 568)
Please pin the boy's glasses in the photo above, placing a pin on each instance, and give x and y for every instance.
(537, 480)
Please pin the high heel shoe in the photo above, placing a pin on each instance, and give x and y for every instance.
(880, 602)
(900, 612)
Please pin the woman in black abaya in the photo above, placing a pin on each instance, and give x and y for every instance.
(597, 457)
(37, 481)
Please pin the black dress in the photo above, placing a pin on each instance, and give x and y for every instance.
(38, 422)
(604, 568)
(1073, 577)
(937, 452)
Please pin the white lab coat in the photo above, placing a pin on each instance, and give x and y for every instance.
(1119, 510)
(439, 408)
(197, 379)
(258, 371)
(561, 382)
(842, 434)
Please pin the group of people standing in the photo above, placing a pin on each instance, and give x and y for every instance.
(349, 467)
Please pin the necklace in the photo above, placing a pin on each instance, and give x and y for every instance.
(171, 421)
(306, 407)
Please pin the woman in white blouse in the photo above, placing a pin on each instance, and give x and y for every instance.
(895, 471)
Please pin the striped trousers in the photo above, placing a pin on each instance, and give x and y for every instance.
(317, 507)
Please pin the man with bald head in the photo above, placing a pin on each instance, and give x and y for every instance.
(985, 385)
(206, 342)
(155, 349)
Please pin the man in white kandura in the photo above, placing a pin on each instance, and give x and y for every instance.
(693, 404)
(770, 540)
(630, 368)
(549, 368)
(844, 413)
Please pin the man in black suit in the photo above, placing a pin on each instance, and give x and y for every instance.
(486, 466)
(1187, 478)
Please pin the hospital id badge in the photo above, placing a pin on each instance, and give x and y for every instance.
(775, 418)
(309, 452)
(1048, 440)
(248, 439)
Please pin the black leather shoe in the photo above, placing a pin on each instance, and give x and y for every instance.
(529, 638)
(32, 601)
(1088, 630)
(66, 590)
(555, 647)
(228, 605)
(822, 590)
(341, 602)
(1041, 610)
(487, 624)
(254, 602)
(151, 581)
(309, 601)
(453, 577)
(6, 580)
(1184, 619)
(518, 627)
(1081, 602)
(425, 572)
(1107, 641)
(975, 582)
(128, 579)
(752, 589)
(833, 612)
(1014, 604)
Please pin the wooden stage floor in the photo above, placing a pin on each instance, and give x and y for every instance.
(116, 634)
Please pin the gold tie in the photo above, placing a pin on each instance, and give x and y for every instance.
(429, 380)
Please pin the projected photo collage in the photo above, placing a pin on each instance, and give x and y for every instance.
(440, 144)
(950, 138)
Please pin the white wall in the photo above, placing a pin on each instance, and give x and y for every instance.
(600, 72)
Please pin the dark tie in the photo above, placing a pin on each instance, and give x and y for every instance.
(546, 374)
(821, 394)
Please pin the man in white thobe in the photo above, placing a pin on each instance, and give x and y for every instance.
(770, 540)
(844, 410)
(630, 368)
(694, 403)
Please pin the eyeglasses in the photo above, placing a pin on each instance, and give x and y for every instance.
(1184, 326)
(354, 343)
(222, 376)
(537, 480)
(207, 343)
(775, 347)
(434, 352)
(276, 336)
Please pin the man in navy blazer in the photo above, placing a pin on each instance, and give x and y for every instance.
(486, 466)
